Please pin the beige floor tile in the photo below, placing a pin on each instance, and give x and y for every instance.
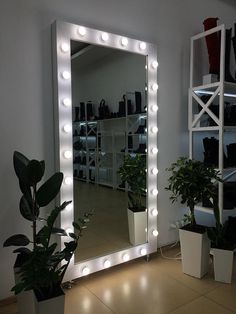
(201, 305)
(224, 295)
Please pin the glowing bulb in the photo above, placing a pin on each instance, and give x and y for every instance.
(69, 207)
(68, 180)
(67, 128)
(154, 212)
(154, 192)
(142, 45)
(66, 102)
(154, 108)
(155, 233)
(67, 154)
(154, 150)
(66, 75)
(65, 47)
(154, 87)
(107, 264)
(146, 170)
(85, 271)
(143, 251)
(146, 230)
(69, 230)
(82, 31)
(146, 150)
(154, 129)
(155, 171)
(146, 67)
(124, 41)
(145, 130)
(105, 36)
(154, 64)
(125, 257)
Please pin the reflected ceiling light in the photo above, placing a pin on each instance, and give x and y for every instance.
(143, 251)
(155, 171)
(85, 271)
(67, 154)
(154, 129)
(124, 41)
(66, 75)
(65, 47)
(154, 150)
(154, 108)
(67, 128)
(66, 102)
(154, 64)
(154, 212)
(154, 192)
(105, 37)
(155, 233)
(68, 180)
(125, 257)
(154, 87)
(142, 45)
(107, 263)
(82, 31)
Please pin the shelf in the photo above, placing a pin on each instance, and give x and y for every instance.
(226, 212)
(229, 89)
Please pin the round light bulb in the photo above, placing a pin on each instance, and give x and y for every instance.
(67, 128)
(154, 192)
(154, 212)
(155, 171)
(143, 251)
(65, 47)
(69, 230)
(154, 129)
(124, 41)
(107, 264)
(67, 154)
(142, 45)
(154, 87)
(125, 257)
(66, 75)
(66, 102)
(146, 230)
(154, 108)
(146, 150)
(68, 180)
(105, 36)
(155, 233)
(154, 64)
(146, 67)
(85, 271)
(154, 150)
(82, 31)
(69, 207)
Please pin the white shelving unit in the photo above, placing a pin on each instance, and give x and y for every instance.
(205, 119)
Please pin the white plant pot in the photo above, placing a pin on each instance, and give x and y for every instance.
(137, 222)
(195, 252)
(223, 264)
(54, 305)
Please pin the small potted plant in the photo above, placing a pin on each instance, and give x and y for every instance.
(133, 172)
(191, 181)
(40, 266)
(223, 250)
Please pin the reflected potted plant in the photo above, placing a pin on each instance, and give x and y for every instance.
(133, 172)
(223, 250)
(191, 181)
(40, 266)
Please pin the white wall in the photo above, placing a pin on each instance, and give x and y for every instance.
(26, 119)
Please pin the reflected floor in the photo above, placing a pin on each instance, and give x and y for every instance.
(108, 229)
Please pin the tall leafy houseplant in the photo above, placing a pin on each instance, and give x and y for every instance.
(133, 171)
(43, 266)
(191, 181)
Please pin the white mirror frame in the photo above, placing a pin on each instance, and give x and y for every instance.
(62, 34)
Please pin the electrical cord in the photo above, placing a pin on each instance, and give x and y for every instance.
(171, 258)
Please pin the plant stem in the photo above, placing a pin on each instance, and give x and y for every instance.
(34, 212)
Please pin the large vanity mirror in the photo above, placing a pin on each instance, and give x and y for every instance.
(106, 134)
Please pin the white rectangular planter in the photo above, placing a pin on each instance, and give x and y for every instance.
(195, 252)
(54, 305)
(137, 222)
(223, 265)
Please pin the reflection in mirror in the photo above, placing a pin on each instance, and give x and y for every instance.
(109, 147)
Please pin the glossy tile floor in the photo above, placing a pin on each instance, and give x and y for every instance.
(155, 287)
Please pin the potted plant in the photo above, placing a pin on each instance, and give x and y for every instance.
(222, 249)
(191, 181)
(133, 172)
(41, 267)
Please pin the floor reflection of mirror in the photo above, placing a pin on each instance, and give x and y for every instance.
(108, 227)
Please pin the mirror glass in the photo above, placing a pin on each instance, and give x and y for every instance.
(109, 124)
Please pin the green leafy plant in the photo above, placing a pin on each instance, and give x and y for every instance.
(191, 181)
(133, 171)
(43, 267)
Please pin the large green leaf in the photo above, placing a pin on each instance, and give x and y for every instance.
(25, 189)
(23, 250)
(59, 231)
(35, 171)
(26, 209)
(17, 240)
(48, 191)
(20, 163)
(43, 236)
